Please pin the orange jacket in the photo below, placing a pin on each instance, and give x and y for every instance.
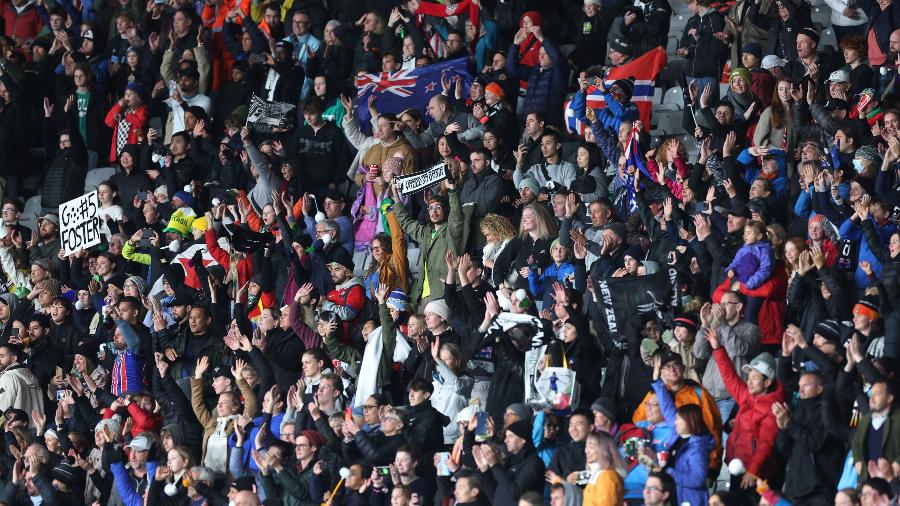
(214, 16)
(692, 393)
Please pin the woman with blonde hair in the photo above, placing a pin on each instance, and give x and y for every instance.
(168, 480)
(497, 231)
(605, 486)
(775, 127)
(531, 248)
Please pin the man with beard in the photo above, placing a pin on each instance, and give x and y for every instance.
(46, 244)
(889, 70)
(282, 81)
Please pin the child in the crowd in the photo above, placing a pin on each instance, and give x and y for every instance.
(560, 271)
(752, 265)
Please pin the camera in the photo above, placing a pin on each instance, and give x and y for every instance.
(383, 470)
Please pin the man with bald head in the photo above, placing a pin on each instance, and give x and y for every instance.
(886, 80)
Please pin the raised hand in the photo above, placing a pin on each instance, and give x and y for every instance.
(382, 292)
(238, 368)
(202, 366)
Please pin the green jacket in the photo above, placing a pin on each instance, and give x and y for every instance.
(294, 488)
(352, 356)
(129, 253)
(433, 244)
(890, 446)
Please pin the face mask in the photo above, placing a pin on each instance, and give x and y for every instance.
(326, 238)
(175, 245)
(79, 305)
(171, 489)
(858, 166)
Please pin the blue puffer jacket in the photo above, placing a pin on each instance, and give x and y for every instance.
(122, 482)
(689, 462)
(541, 285)
(546, 88)
(753, 170)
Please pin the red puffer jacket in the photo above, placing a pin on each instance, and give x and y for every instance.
(753, 437)
(771, 313)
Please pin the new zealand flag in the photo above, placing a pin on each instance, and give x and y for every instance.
(408, 89)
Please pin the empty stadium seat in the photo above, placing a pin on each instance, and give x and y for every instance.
(97, 176)
(828, 39)
(361, 261)
(674, 95)
(667, 122)
(32, 212)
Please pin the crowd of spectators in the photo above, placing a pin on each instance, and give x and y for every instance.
(267, 319)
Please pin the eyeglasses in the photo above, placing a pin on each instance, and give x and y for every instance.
(730, 303)
(435, 207)
(303, 445)
(367, 407)
(652, 488)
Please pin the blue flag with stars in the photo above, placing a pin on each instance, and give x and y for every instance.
(408, 89)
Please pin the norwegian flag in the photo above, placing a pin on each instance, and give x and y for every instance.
(407, 89)
(644, 69)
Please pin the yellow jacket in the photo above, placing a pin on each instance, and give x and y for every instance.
(606, 489)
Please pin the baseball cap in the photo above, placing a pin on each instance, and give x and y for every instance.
(244, 483)
(140, 443)
(51, 217)
(222, 371)
(763, 363)
(839, 76)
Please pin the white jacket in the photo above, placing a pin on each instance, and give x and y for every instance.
(358, 139)
(451, 393)
(837, 14)
(19, 389)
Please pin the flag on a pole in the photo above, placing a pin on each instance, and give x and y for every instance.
(633, 154)
(407, 89)
(644, 69)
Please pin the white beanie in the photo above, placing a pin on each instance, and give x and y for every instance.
(438, 307)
